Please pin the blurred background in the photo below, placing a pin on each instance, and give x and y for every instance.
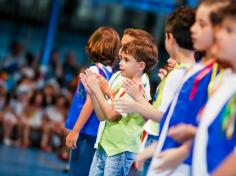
(41, 53)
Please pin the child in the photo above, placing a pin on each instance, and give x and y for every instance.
(179, 46)
(216, 136)
(189, 99)
(16, 112)
(54, 123)
(120, 140)
(102, 48)
(32, 116)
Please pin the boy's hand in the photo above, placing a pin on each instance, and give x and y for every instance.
(92, 80)
(162, 73)
(171, 63)
(124, 104)
(169, 160)
(139, 162)
(82, 77)
(134, 88)
(182, 132)
(71, 139)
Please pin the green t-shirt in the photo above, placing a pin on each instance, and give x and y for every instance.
(124, 134)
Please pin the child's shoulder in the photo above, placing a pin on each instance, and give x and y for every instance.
(116, 77)
(94, 68)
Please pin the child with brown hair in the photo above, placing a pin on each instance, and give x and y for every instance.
(120, 139)
(102, 48)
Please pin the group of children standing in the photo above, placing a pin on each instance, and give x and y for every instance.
(189, 129)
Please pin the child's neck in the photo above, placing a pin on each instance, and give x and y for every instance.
(208, 58)
(234, 67)
(185, 57)
(137, 77)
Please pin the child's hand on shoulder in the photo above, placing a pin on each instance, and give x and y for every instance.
(92, 80)
(82, 77)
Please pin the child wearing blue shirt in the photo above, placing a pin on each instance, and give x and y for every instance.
(102, 47)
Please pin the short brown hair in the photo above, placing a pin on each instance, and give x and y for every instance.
(103, 46)
(142, 52)
(179, 24)
(211, 2)
(224, 12)
(139, 34)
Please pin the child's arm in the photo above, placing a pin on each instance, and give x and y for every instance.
(96, 106)
(227, 167)
(94, 85)
(143, 107)
(146, 154)
(172, 158)
(98, 110)
(182, 132)
(107, 109)
(105, 87)
(85, 113)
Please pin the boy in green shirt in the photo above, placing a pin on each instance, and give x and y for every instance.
(120, 140)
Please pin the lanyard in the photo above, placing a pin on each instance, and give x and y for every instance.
(228, 119)
(202, 74)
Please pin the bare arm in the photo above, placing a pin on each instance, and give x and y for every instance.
(107, 109)
(84, 115)
(93, 83)
(149, 112)
(143, 107)
(146, 154)
(97, 108)
(227, 167)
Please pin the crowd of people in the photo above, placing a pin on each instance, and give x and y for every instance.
(33, 106)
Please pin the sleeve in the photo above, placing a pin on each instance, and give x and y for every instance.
(114, 77)
(94, 69)
(171, 85)
(146, 84)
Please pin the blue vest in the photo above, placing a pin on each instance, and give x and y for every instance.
(218, 146)
(186, 109)
(79, 98)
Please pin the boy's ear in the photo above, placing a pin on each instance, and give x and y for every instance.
(171, 38)
(142, 66)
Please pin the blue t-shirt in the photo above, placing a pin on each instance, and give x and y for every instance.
(187, 109)
(219, 146)
(79, 98)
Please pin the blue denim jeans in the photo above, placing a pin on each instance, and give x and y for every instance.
(82, 156)
(117, 165)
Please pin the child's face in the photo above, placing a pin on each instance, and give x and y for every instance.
(129, 67)
(202, 33)
(39, 99)
(225, 41)
(61, 102)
